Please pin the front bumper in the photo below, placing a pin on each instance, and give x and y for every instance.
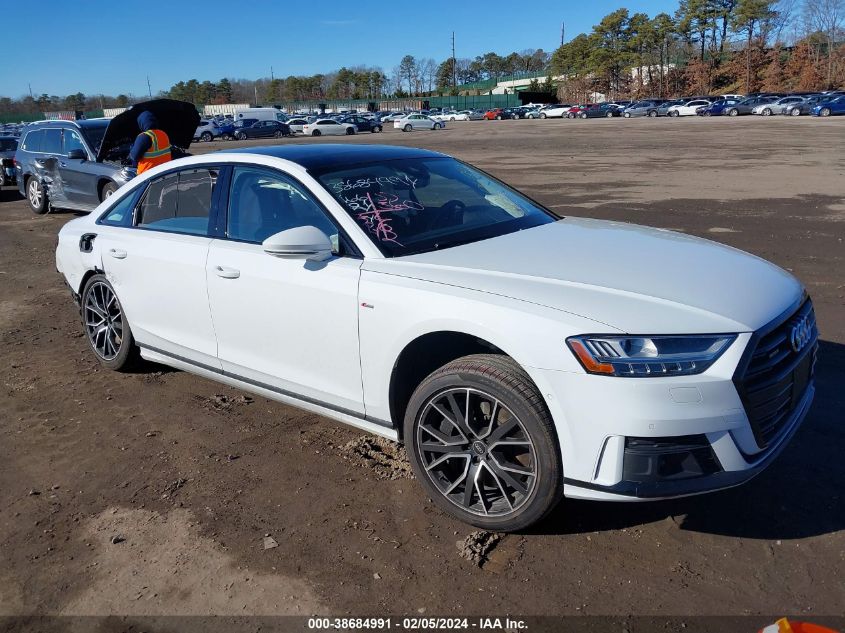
(631, 439)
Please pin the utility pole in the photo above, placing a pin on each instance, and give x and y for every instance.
(149, 88)
(562, 31)
(271, 74)
(30, 91)
(454, 64)
(255, 90)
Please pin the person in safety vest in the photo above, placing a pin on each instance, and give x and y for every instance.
(151, 146)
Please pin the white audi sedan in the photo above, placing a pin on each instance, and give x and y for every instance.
(329, 127)
(688, 108)
(519, 357)
(418, 122)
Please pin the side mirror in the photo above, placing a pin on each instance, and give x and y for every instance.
(77, 154)
(302, 242)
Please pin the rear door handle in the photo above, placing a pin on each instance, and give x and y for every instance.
(227, 273)
(117, 253)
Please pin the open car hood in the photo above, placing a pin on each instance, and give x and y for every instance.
(178, 119)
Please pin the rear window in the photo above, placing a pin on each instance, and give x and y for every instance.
(180, 202)
(8, 144)
(52, 142)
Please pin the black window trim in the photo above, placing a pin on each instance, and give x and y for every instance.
(350, 249)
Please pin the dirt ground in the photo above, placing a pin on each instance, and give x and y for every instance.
(162, 493)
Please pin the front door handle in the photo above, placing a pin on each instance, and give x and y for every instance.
(227, 273)
(117, 253)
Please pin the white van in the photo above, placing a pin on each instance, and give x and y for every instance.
(262, 114)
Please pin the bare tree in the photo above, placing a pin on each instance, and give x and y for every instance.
(428, 73)
(827, 17)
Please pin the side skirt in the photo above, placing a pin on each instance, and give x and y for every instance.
(270, 393)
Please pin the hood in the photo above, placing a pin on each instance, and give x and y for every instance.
(147, 121)
(632, 278)
(178, 119)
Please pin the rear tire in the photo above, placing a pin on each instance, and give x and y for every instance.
(795, 112)
(583, 115)
(609, 115)
(316, 133)
(107, 330)
(766, 112)
(408, 127)
(505, 406)
(36, 196)
(350, 131)
(542, 115)
(207, 137)
(278, 134)
(653, 114)
(674, 113)
(733, 112)
(241, 136)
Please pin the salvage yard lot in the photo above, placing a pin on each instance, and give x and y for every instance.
(189, 477)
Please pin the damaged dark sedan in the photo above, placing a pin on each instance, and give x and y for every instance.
(78, 164)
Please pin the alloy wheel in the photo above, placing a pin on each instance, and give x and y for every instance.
(103, 319)
(35, 193)
(476, 452)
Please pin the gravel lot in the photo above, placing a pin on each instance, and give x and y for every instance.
(162, 493)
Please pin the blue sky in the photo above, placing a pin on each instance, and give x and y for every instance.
(92, 49)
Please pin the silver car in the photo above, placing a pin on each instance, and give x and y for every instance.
(776, 107)
(641, 108)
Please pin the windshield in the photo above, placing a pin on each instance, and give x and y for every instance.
(8, 145)
(416, 205)
(94, 133)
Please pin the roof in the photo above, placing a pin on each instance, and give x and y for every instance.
(328, 155)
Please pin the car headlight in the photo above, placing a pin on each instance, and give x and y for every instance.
(648, 356)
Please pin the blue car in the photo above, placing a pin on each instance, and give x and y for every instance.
(832, 107)
(718, 108)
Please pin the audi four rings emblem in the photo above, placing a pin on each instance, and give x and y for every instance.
(801, 334)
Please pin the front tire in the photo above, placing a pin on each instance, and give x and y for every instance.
(107, 330)
(36, 196)
(500, 469)
(207, 137)
(766, 112)
(674, 113)
(241, 136)
(733, 112)
(653, 114)
(350, 131)
(108, 189)
(542, 115)
(824, 112)
(436, 126)
(795, 112)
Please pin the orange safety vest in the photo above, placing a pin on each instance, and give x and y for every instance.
(158, 153)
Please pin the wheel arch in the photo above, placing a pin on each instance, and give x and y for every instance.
(102, 181)
(424, 354)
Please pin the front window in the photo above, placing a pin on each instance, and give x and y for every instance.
(263, 203)
(73, 141)
(416, 205)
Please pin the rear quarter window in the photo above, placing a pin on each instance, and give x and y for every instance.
(32, 141)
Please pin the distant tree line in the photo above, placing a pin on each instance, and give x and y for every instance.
(707, 46)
